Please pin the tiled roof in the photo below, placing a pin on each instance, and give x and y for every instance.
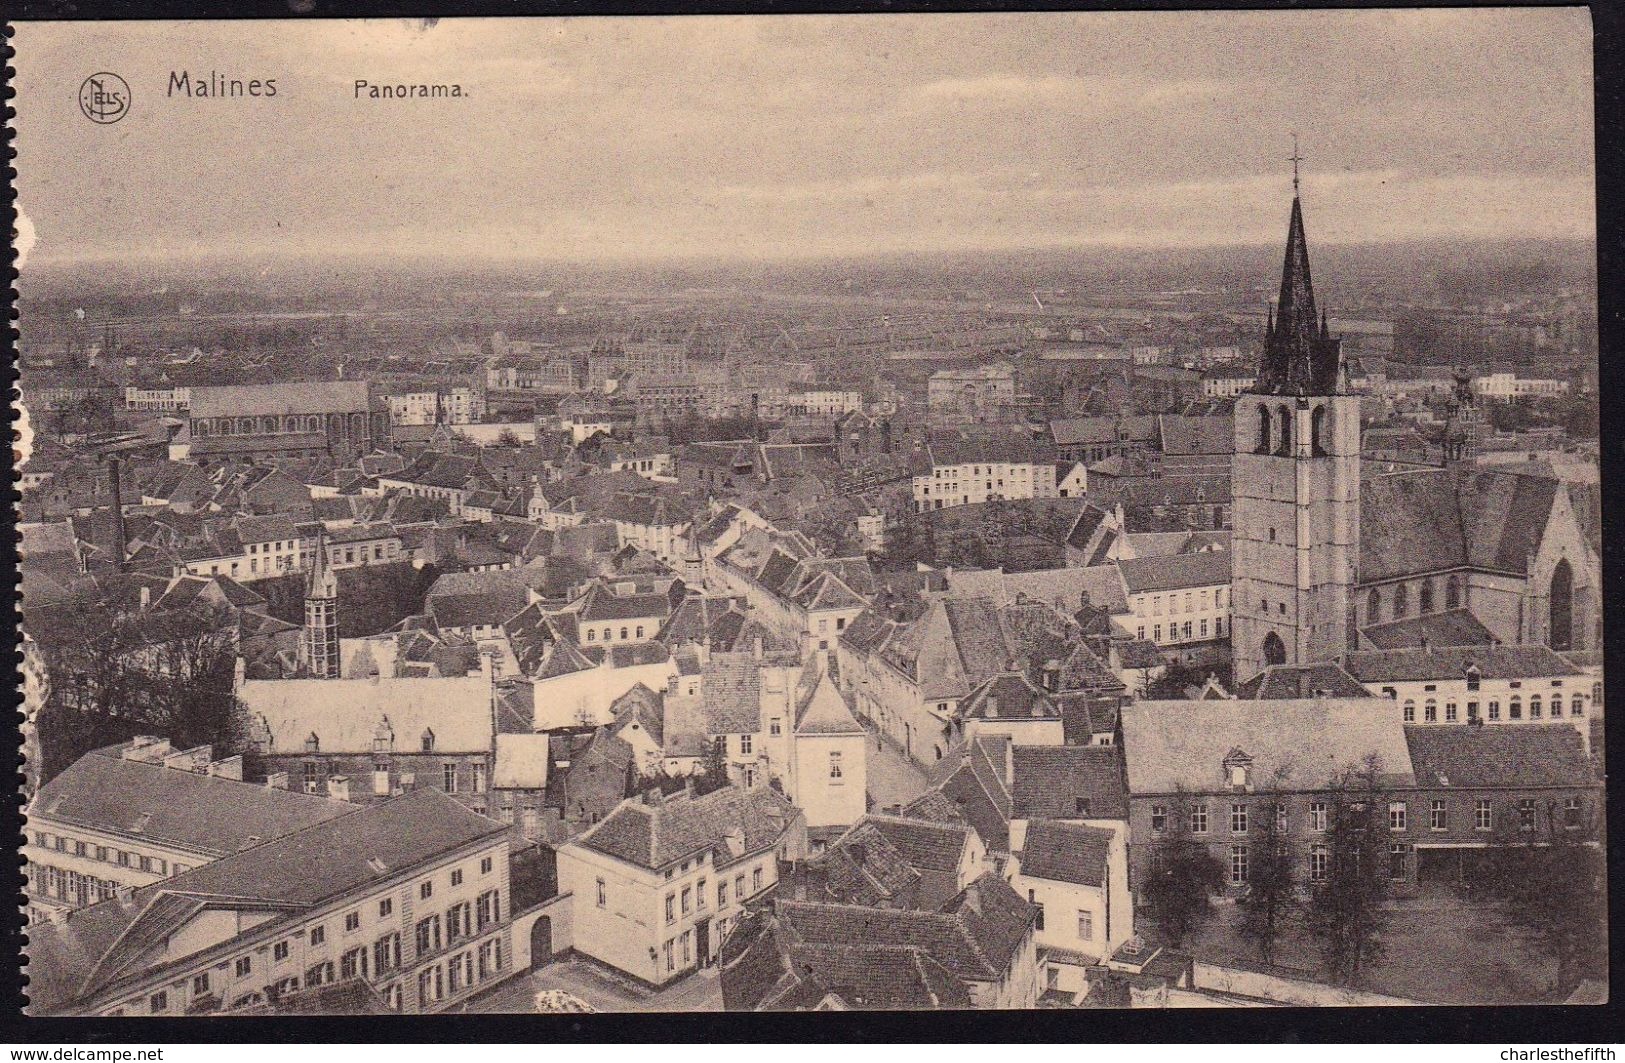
(821, 708)
(1453, 627)
(1174, 745)
(1301, 681)
(1050, 781)
(731, 685)
(1504, 757)
(681, 825)
(924, 844)
(1197, 435)
(1437, 519)
(202, 813)
(1008, 696)
(976, 937)
(1492, 662)
(1066, 852)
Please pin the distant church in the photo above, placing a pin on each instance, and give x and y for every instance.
(1324, 563)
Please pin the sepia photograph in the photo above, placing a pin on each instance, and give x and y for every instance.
(842, 512)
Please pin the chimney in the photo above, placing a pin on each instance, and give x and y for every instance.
(338, 787)
(973, 898)
(735, 841)
(146, 598)
(993, 706)
(195, 759)
(230, 768)
(1009, 763)
(277, 781)
(1052, 675)
(239, 673)
(756, 647)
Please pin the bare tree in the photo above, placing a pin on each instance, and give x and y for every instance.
(1184, 875)
(1345, 909)
(1271, 899)
(1552, 883)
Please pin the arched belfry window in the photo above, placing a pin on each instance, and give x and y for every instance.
(1373, 606)
(1427, 596)
(1452, 593)
(1402, 604)
(1284, 444)
(1263, 430)
(1317, 432)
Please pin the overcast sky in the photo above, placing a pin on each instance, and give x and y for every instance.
(648, 138)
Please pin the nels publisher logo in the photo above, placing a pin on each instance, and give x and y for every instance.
(104, 98)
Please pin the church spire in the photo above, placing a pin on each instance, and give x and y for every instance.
(1300, 357)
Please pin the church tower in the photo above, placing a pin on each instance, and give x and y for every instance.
(1461, 426)
(319, 644)
(1296, 491)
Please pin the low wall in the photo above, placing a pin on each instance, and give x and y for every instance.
(560, 910)
(1213, 978)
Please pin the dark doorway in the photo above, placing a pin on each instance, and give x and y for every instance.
(1274, 649)
(702, 942)
(541, 942)
(1562, 605)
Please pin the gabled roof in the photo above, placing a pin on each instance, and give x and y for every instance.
(1066, 852)
(680, 825)
(1052, 781)
(1301, 681)
(1491, 662)
(821, 708)
(1209, 568)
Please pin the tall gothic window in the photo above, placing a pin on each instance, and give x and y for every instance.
(1263, 430)
(1427, 596)
(1285, 444)
(1402, 605)
(1373, 606)
(1452, 593)
(1562, 607)
(1317, 432)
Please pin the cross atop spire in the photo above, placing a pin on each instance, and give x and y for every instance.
(1294, 159)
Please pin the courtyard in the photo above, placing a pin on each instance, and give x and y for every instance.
(1438, 950)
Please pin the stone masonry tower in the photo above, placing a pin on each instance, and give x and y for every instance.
(1296, 492)
(319, 644)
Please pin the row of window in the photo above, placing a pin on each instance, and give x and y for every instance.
(1187, 631)
(1537, 708)
(462, 920)
(1186, 603)
(450, 777)
(693, 897)
(70, 887)
(1398, 816)
(152, 865)
(592, 633)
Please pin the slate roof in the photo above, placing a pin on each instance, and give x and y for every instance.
(1049, 781)
(1066, 852)
(1453, 627)
(821, 708)
(1499, 757)
(1174, 745)
(1492, 662)
(1433, 520)
(200, 813)
(680, 825)
(109, 943)
(1197, 435)
(1208, 568)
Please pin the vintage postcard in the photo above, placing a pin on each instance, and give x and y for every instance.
(845, 512)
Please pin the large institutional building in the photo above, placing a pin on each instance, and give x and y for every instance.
(1326, 561)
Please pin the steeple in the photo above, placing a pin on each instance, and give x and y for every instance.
(319, 643)
(1300, 356)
